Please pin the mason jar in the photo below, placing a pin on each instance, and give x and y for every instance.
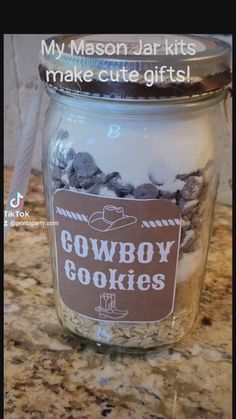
(130, 177)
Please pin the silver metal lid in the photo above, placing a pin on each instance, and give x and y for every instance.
(203, 65)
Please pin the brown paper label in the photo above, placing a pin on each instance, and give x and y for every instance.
(116, 257)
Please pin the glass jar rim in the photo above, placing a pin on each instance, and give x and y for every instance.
(134, 108)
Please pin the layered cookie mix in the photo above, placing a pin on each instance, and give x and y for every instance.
(80, 171)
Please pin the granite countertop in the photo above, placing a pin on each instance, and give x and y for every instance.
(49, 375)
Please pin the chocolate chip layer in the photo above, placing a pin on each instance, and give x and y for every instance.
(84, 165)
(120, 187)
(146, 191)
(80, 172)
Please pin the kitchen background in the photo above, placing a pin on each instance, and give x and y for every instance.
(21, 56)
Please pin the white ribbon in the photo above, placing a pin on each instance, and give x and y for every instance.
(22, 170)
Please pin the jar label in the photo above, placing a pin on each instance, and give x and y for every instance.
(116, 257)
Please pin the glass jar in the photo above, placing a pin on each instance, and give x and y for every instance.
(132, 185)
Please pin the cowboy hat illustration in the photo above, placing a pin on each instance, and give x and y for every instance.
(110, 218)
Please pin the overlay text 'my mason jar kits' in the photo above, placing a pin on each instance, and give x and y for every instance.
(130, 174)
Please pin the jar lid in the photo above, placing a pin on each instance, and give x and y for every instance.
(136, 66)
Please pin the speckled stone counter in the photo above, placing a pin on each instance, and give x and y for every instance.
(49, 375)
